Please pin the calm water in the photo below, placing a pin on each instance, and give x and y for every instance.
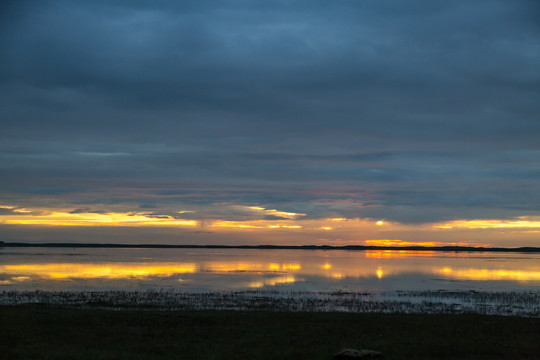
(194, 270)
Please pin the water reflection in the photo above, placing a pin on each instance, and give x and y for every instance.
(380, 272)
(273, 282)
(394, 254)
(85, 271)
(232, 269)
(489, 274)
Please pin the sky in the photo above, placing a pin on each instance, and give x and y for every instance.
(270, 122)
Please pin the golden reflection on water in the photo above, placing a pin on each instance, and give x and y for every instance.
(251, 266)
(291, 267)
(141, 270)
(88, 271)
(489, 274)
(227, 267)
(378, 254)
(274, 268)
(273, 282)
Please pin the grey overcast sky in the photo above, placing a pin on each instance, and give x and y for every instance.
(238, 118)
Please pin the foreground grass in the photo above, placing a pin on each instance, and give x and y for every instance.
(43, 332)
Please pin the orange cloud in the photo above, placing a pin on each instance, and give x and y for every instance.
(59, 218)
(274, 212)
(522, 222)
(255, 224)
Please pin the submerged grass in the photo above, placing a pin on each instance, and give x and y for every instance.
(48, 332)
(403, 302)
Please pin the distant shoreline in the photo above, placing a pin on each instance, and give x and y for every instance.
(277, 247)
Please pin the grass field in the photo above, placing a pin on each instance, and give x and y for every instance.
(45, 332)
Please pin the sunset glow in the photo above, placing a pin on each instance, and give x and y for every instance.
(58, 218)
(523, 222)
(274, 212)
(260, 221)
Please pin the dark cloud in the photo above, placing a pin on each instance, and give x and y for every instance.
(6, 211)
(86, 211)
(358, 109)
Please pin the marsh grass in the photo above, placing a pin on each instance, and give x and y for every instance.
(410, 302)
(49, 332)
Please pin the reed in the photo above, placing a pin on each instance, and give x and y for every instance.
(526, 304)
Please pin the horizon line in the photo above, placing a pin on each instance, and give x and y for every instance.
(277, 247)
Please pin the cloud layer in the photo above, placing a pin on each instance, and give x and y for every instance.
(414, 112)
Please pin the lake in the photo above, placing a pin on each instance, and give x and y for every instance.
(203, 270)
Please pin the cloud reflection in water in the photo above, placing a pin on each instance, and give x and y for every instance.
(243, 269)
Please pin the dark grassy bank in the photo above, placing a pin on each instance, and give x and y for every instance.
(42, 332)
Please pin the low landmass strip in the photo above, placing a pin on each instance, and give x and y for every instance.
(276, 247)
